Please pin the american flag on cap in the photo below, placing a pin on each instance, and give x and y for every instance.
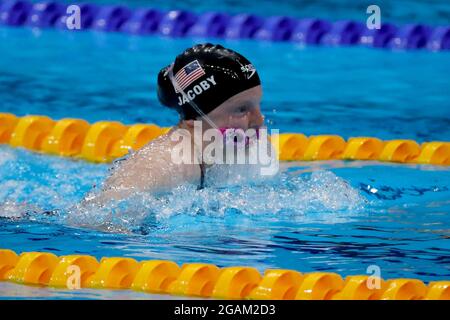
(188, 74)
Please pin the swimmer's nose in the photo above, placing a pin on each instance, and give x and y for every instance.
(256, 118)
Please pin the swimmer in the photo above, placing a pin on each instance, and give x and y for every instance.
(206, 83)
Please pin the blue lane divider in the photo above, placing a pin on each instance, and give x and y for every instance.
(439, 39)
(183, 23)
(177, 23)
(343, 33)
(276, 29)
(411, 37)
(111, 18)
(310, 31)
(378, 38)
(45, 14)
(143, 21)
(210, 24)
(243, 26)
(14, 13)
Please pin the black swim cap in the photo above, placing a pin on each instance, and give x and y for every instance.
(209, 75)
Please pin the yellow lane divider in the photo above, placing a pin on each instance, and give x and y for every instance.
(104, 141)
(207, 280)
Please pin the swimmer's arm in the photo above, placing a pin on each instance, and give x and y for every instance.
(142, 175)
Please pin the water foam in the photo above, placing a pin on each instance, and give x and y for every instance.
(31, 185)
(321, 192)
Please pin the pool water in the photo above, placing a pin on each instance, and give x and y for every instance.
(315, 216)
(324, 216)
(313, 90)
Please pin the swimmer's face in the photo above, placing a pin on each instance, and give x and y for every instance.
(240, 111)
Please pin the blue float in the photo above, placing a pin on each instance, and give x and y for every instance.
(210, 24)
(176, 23)
(310, 31)
(14, 13)
(378, 38)
(45, 14)
(111, 18)
(343, 32)
(411, 36)
(439, 39)
(276, 29)
(243, 26)
(143, 21)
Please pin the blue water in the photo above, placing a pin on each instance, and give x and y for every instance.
(314, 90)
(329, 216)
(323, 216)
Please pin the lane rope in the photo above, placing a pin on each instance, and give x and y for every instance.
(105, 141)
(206, 280)
(216, 24)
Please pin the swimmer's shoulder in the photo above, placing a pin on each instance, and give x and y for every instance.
(152, 167)
(155, 153)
